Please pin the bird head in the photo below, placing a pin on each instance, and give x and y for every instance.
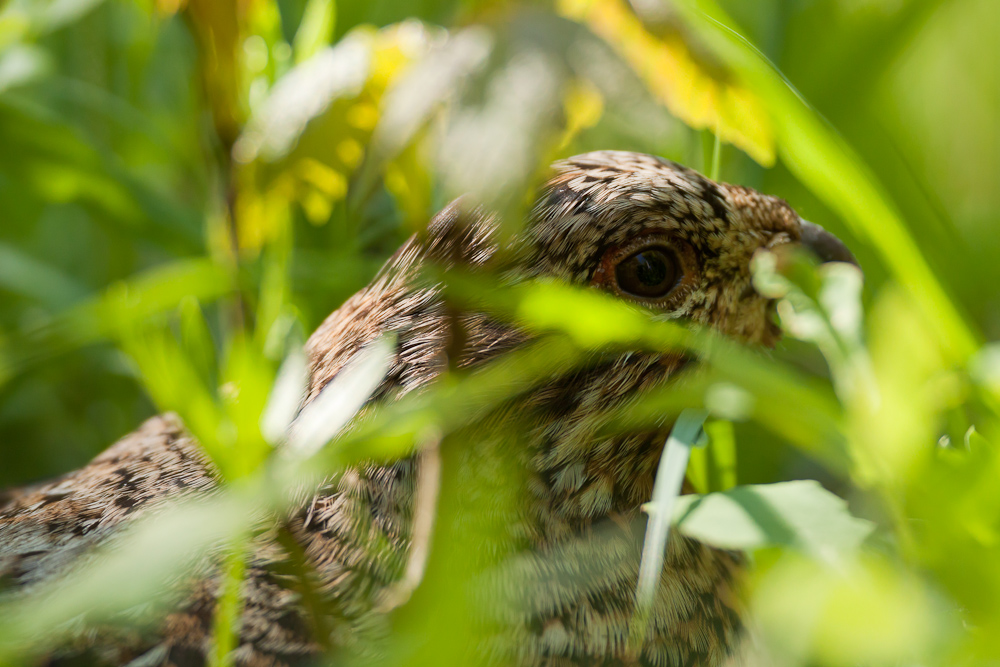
(645, 229)
(658, 234)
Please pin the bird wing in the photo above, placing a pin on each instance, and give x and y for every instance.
(45, 527)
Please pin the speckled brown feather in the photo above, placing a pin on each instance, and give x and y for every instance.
(566, 560)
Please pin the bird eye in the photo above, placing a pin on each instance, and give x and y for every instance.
(650, 273)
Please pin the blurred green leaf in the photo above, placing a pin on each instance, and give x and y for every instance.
(228, 623)
(873, 612)
(25, 275)
(132, 571)
(117, 312)
(196, 339)
(34, 17)
(316, 29)
(21, 64)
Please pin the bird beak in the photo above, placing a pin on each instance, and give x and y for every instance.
(825, 245)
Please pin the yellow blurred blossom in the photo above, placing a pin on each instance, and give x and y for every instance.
(674, 73)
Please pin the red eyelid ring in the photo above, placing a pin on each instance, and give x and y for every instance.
(605, 277)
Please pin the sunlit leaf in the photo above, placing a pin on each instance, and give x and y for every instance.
(800, 515)
(228, 623)
(583, 104)
(247, 377)
(196, 339)
(20, 64)
(286, 397)
(303, 94)
(41, 16)
(397, 147)
(754, 387)
(822, 305)
(496, 137)
(872, 613)
(318, 21)
(914, 387)
(155, 291)
(119, 310)
(341, 398)
(720, 454)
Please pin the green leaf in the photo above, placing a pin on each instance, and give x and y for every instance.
(316, 29)
(22, 274)
(801, 515)
(196, 339)
(868, 612)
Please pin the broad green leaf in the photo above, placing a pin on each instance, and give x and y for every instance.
(155, 291)
(800, 515)
(754, 387)
(196, 339)
(119, 310)
(592, 319)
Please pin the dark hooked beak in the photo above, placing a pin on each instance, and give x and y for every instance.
(825, 245)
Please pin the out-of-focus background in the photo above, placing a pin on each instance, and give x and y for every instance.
(117, 120)
(238, 168)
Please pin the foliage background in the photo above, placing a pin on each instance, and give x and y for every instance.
(165, 176)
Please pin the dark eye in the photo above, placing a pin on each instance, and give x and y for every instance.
(650, 273)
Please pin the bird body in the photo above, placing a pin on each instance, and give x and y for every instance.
(561, 497)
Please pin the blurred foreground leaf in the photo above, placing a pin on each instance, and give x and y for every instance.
(872, 612)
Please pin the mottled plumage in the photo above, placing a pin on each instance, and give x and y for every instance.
(564, 557)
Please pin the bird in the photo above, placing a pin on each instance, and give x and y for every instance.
(562, 551)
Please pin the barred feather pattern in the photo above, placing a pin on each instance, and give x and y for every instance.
(561, 570)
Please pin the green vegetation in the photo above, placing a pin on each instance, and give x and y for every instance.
(187, 188)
